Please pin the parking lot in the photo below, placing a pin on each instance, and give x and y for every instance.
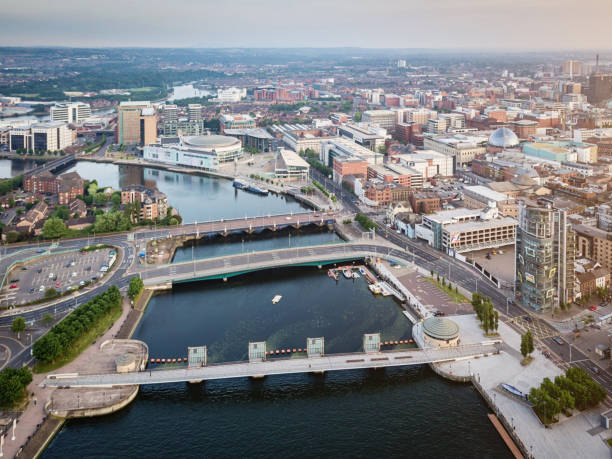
(61, 272)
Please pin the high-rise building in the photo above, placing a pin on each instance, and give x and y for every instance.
(545, 252)
(572, 68)
(170, 113)
(194, 112)
(231, 121)
(600, 88)
(72, 113)
(137, 123)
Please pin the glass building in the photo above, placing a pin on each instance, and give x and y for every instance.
(545, 251)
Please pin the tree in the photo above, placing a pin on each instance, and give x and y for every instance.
(116, 198)
(527, 343)
(54, 228)
(173, 222)
(50, 293)
(12, 384)
(357, 116)
(100, 198)
(136, 286)
(12, 236)
(47, 319)
(92, 188)
(530, 341)
(19, 325)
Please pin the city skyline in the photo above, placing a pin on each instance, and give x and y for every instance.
(473, 24)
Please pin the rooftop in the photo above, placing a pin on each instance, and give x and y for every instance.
(440, 328)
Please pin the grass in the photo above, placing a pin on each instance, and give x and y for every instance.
(82, 343)
(455, 296)
(609, 442)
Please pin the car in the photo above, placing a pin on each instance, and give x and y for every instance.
(58, 284)
(67, 265)
(558, 340)
(50, 275)
(595, 370)
(88, 268)
(31, 290)
(527, 318)
(15, 280)
(40, 251)
(72, 263)
(83, 252)
(74, 274)
(41, 288)
(82, 283)
(39, 270)
(13, 286)
(593, 308)
(23, 268)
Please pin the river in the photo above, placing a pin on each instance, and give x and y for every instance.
(375, 413)
(186, 91)
(196, 198)
(12, 167)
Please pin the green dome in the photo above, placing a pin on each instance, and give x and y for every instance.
(440, 328)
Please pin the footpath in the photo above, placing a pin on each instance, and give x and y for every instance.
(34, 427)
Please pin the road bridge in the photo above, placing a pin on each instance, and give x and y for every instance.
(277, 366)
(233, 265)
(53, 166)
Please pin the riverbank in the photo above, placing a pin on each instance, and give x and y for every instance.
(36, 425)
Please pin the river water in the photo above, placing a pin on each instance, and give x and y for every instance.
(186, 91)
(402, 412)
(11, 168)
(195, 197)
(375, 413)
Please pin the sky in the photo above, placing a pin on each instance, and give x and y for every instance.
(493, 24)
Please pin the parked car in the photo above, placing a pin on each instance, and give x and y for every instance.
(13, 286)
(558, 340)
(58, 284)
(31, 290)
(50, 275)
(41, 288)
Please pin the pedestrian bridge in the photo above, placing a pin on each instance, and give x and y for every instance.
(228, 266)
(278, 366)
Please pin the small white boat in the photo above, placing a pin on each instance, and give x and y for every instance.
(347, 273)
(375, 289)
(356, 275)
(276, 299)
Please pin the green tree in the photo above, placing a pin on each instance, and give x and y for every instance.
(524, 345)
(54, 228)
(19, 325)
(357, 116)
(135, 287)
(92, 188)
(12, 385)
(50, 293)
(47, 319)
(100, 198)
(116, 198)
(12, 236)
(173, 221)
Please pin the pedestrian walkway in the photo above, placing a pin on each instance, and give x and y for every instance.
(32, 418)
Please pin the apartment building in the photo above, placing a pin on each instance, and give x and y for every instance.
(71, 113)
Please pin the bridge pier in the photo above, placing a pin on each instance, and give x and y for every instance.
(195, 381)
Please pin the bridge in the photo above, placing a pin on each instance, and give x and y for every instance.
(54, 165)
(233, 265)
(278, 366)
(248, 225)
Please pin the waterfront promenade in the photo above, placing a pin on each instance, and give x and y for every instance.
(278, 366)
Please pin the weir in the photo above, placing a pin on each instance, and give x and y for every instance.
(315, 360)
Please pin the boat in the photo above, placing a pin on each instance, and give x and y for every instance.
(356, 275)
(276, 299)
(347, 273)
(240, 184)
(375, 289)
(362, 270)
(513, 390)
(332, 273)
(255, 189)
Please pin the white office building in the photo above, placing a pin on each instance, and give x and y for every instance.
(71, 112)
(231, 95)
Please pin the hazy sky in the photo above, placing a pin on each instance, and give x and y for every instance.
(533, 24)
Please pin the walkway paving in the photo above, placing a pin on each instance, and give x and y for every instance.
(570, 438)
(34, 414)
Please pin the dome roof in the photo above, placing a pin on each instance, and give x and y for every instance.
(503, 138)
(210, 141)
(440, 328)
